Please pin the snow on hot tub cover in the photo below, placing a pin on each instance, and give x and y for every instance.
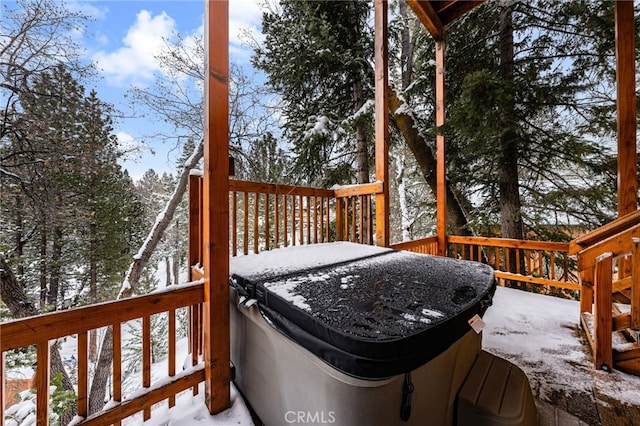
(370, 312)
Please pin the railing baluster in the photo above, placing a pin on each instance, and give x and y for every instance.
(172, 350)
(301, 201)
(267, 230)
(328, 226)
(245, 208)
(83, 374)
(315, 219)
(285, 220)
(117, 363)
(308, 219)
(635, 287)
(256, 222)
(277, 220)
(234, 223)
(42, 383)
(293, 220)
(146, 359)
(3, 390)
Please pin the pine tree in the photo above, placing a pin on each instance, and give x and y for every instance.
(317, 57)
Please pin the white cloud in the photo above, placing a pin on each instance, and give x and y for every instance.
(135, 61)
(131, 146)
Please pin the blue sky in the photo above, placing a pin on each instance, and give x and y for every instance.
(123, 40)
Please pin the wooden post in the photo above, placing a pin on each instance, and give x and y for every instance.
(603, 320)
(216, 208)
(626, 103)
(635, 286)
(441, 173)
(586, 290)
(382, 121)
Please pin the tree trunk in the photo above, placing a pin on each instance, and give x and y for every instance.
(427, 161)
(14, 297)
(56, 267)
(510, 204)
(361, 135)
(167, 270)
(43, 265)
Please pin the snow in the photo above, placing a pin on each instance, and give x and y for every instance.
(289, 260)
(541, 335)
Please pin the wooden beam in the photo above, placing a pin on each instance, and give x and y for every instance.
(441, 173)
(382, 120)
(428, 16)
(626, 102)
(456, 9)
(216, 208)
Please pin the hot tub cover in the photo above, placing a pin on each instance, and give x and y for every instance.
(370, 312)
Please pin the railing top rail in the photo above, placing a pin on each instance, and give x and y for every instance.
(271, 188)
(27, 331)
(618, 244)
(510, 243)
(359, 189)
(604, 232)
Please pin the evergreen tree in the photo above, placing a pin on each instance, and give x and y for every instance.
(317, 57)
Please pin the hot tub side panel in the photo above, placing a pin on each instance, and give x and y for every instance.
(287, 384)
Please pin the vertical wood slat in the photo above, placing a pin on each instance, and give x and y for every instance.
(603, 321)
(171, 370)
(285, 230)
(635, 286)
(256, 222)
(301, 200)
(293, 220)
(354, 207)
(339, 219)
(42, 383)
(117, 363)
(315, 220)
(308, 219)
(146, 359)
(83, 374)
(276, 214)
(3, 384)
(245, 222)
(234, 223)
(267, 226)
(328, 228)
(196, 322)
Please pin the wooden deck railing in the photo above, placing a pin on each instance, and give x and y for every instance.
(265, 216)
(608, 264)
(43, 329)
(531, 262)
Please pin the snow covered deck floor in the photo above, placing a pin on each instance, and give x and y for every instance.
(541, 335)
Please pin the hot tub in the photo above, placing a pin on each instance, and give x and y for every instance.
(347, 334)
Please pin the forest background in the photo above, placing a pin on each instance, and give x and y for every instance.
(530, 136)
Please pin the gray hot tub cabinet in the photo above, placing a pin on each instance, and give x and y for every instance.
(346, 334)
